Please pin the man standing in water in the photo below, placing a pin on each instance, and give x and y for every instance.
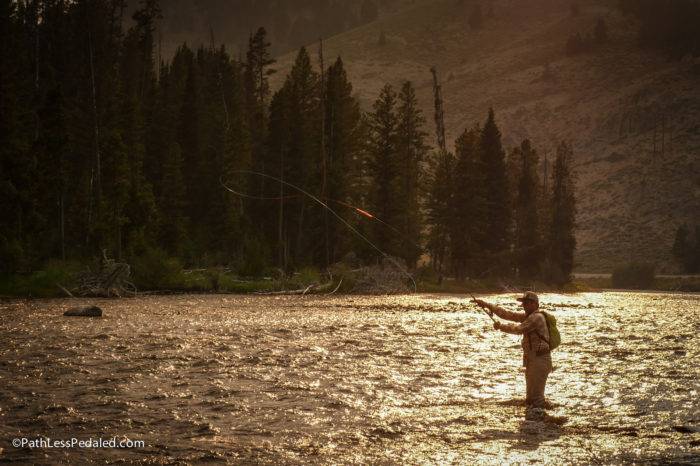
(536, 353)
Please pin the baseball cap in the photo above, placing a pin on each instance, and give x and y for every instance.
(529, 296)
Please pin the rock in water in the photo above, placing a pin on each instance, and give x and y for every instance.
(88, 311)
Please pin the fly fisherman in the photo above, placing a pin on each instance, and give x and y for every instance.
(536, 353)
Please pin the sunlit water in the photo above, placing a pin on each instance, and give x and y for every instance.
(409, 379)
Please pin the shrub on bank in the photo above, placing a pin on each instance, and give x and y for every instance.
(42, 283)
(307, 275)
(689, 283)
(634, 275)
(155, 270)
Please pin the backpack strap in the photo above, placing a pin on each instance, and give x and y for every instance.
(546, 324)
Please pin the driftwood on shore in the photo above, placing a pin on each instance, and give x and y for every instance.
(387, 277)
(312, 288)
(301, 291)
(110, 280)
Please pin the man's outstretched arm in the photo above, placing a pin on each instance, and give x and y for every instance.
(517, 329)
(502, 313)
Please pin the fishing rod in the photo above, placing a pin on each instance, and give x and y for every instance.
(325, 206)
(503, 286)
(488, 313)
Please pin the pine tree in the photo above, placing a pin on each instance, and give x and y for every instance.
(16, 160)
(237, 153)
(95, 92)
(411, 150)
(514, 165)
(468, 211)
(294, 147)
(304, 163)
(497, 225)
(562, 241)
(527, 240)
(680, 246)
(52, 173)
(544, 208)
(257, 90)
(381, 166)
(257, 71)
(439, 209)
(53, 150)
(136, 219)
(173, 229)
(190, 137)
(344, 135)
(684, 251)
(695, 264)
(224, 151)
(278, 147)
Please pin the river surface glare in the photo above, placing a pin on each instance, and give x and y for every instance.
(348, 379)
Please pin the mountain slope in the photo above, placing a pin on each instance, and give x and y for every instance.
(632, 115)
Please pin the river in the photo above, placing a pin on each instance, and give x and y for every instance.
(348, 379)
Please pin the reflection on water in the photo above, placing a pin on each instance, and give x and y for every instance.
(409, 379)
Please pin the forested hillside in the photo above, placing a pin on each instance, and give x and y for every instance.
(625, 96)
(197, 161)
(558, 120)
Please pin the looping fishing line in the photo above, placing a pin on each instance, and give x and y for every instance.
(325, 206)
(257, 198)
(356, 209)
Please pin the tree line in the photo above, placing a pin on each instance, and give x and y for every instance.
(493, 214)
(197, 159)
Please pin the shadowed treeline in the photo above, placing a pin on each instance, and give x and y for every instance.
(109, 150)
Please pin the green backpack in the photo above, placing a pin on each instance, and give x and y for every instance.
(554, 336)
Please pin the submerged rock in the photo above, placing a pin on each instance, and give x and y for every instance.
(88, 311)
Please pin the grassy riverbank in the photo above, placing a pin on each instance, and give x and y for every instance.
(170, 278)
(166, 278)
(495, 286)
(685, 283)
